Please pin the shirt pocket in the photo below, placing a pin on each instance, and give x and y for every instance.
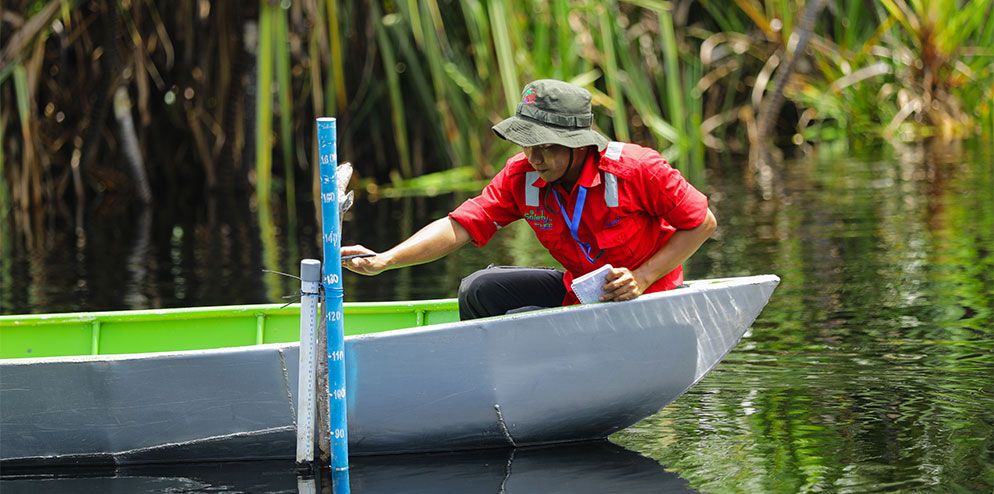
(617, 233)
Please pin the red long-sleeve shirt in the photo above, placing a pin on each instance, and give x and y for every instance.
(654, 200)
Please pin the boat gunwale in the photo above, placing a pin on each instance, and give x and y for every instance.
(107, 357)
(693, 285)
(220, 311)
(646, 298)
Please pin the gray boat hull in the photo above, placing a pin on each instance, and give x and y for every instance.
(550, 376)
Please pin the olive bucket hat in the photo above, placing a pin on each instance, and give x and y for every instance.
(552, 112)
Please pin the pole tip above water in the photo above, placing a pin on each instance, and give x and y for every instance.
(310, 270)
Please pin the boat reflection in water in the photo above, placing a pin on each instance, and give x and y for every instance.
(590, 467)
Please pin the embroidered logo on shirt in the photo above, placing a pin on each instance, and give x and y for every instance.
(529, 96)
(612, 222)
(538, 219)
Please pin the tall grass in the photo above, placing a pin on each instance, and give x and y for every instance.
(281, 49)
(890, 69)
(505, 53)
(476, 78)
(336, 67)
(30, 185)
(419, 83)
(606, 15)
(4, 195)
(398, 112)
(674, 86)
(264, 101)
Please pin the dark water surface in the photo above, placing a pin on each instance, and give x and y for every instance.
(871, 370)
(584, 468)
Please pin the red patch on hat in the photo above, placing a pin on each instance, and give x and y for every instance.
(529, 96)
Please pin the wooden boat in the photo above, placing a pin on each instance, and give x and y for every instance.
(207, 384)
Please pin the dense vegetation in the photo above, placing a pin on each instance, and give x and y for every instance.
(154, 97)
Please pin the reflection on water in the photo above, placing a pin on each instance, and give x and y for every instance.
(173, 255)
(594, 468)
(214, 253)
(872, 368)
(134, 296)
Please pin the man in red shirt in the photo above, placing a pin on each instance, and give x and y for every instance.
(590, 202)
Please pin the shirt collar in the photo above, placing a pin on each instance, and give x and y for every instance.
(589, 176)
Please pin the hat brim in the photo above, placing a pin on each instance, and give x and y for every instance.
(527, 132)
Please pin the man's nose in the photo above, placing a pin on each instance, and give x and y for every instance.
(534, 157)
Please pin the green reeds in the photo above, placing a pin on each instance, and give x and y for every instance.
(674, 83)
(6, 236)
(430, 86)
(607, 37)
(282, 51)
(4, 196)
(30, 186)
(268, 24)
(264, 103)
(505, 54)
(428, 79)
(397, 114)
(891, 69)
(566, 48)
(336, 77)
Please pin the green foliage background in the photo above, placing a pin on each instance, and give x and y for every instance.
(225, 93)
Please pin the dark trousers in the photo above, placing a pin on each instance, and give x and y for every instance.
(499, 290)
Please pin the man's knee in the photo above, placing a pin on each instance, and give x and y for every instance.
(471, 286)
(497, 289)
(472, 291)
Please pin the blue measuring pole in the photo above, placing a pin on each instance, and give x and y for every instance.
(332, 279)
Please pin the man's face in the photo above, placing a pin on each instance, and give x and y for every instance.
(549, 160)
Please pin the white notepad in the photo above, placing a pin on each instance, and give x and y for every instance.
(588, 287)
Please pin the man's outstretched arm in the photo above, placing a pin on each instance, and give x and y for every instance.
(437, 239)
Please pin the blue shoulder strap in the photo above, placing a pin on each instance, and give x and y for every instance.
(574, 222)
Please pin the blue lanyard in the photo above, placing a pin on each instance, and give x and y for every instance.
(574, 222)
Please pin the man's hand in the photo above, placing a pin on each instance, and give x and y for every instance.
(368, 266)
(435, 240)
(622, 284)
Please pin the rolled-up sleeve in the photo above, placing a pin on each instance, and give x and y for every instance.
(665, 193)
(490, 211)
